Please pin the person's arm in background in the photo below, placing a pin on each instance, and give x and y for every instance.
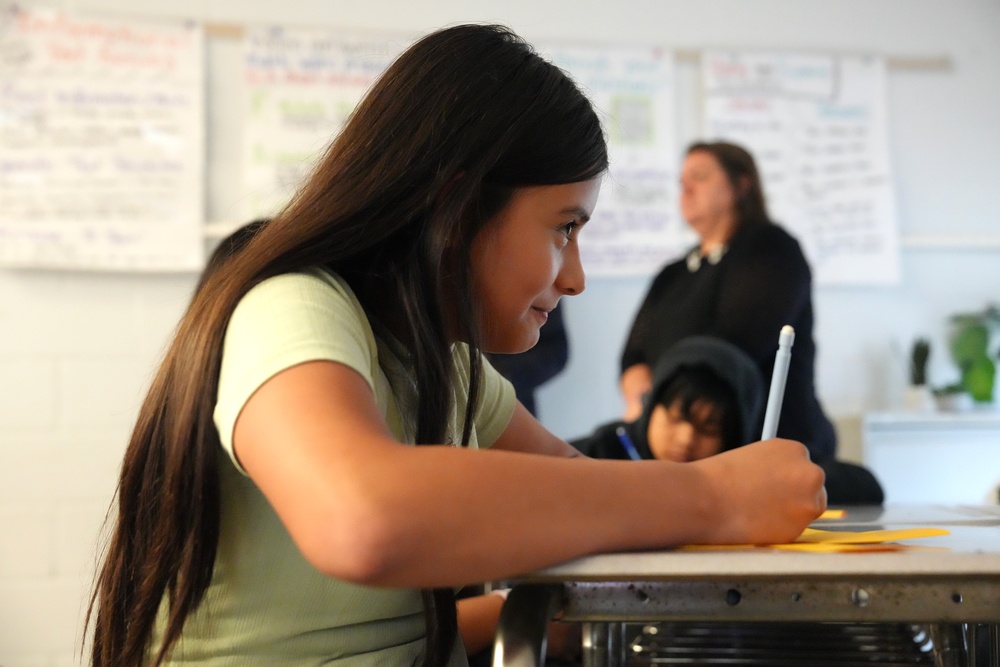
(636, 381)
(479, 615)
(477, 620)
(531, 369)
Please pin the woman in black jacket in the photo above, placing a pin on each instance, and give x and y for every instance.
(745, 279)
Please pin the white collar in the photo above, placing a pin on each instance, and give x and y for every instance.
(714, 256)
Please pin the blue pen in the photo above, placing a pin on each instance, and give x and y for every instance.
(627, 443)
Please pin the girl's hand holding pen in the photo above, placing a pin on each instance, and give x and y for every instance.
(769, 492)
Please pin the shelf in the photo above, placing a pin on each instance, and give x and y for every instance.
(987, 418)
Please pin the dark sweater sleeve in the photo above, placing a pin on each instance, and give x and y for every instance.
(602, 443)
(633, 352)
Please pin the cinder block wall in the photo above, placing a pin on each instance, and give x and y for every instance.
(76, 353)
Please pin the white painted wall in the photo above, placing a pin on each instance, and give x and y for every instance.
(77, 349)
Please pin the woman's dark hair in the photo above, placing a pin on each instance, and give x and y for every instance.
(448, 133)
(741, 170)
(699, 384)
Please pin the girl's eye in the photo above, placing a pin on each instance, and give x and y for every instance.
(569, 228)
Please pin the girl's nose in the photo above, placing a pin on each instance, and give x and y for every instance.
(571, 278)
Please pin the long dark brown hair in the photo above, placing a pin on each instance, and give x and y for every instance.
(741, 170)
(439, 144)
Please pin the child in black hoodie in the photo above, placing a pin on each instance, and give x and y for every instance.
(707, 397)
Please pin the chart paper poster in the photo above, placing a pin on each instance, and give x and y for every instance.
(301, 85)
(816, 126)
(636, 227)
(101, 143)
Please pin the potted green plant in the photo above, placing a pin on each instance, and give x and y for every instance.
(952, 398)
(918, 394)
(973, 349)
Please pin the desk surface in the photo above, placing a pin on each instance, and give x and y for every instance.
(972, 548)
(950, 582)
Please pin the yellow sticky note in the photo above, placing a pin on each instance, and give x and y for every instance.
(813, 536)
(837, 547)
(832, 514)
(827, 541)
(715, 547)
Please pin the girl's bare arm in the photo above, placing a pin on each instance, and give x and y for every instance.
(365, 508)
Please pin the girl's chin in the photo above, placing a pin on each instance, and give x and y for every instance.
(512, 345)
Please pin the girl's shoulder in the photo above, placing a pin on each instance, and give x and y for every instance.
(286, 320)
(314, 286)
(314, 278)
(313, 305)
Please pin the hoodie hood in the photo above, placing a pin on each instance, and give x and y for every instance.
(724, 359)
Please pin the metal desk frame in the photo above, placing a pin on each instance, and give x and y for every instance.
(951, 584)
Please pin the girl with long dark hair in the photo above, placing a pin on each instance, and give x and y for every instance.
(272, 507)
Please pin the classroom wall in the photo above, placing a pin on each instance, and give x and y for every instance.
(77, 349)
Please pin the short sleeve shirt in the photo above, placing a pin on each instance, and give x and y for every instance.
(266, 604)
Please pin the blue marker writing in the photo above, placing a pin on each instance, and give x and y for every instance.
(627, 443)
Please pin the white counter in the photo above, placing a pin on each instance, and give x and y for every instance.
(934, 457)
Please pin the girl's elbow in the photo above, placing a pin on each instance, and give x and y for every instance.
(361, 548)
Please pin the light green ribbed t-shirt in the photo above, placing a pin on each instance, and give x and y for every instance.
(266, 604)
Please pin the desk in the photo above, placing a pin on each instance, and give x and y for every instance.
(952, 585)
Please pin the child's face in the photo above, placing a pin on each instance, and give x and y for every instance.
(673, 438)
(526, 258)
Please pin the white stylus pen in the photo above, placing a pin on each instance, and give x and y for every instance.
(777, 393)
